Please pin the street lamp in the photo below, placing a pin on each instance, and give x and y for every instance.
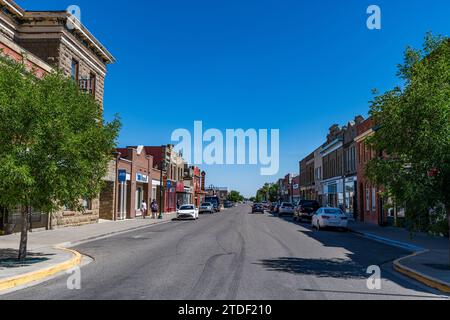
(161, 183)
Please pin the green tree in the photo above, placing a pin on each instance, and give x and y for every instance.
(54, 144)
(235, 196)
(413, 134)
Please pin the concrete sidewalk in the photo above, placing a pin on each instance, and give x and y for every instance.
(429, 263)
(49, 253)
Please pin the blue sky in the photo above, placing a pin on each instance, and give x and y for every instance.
(294, 65)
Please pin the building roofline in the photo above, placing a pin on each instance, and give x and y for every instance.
(79, 28)
(15, 9)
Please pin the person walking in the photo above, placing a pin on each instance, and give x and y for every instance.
(154, 208)
(144, 209)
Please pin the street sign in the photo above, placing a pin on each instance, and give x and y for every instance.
(122, 175)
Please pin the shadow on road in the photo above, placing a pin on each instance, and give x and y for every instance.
(336, 268)
(360, 254)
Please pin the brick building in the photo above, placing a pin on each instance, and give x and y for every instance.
(332, 158)
(296, 195)
(122, 198)
(350, 166)
(46, 41)
(307, 181)
(370, 203)
(172, 165)
(318, 174)
(193, 180)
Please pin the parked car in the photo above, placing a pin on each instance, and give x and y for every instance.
(275, 208)
(215, 202)
(228, 204)
(305, 210)
(330, 218)
(286, 209)
(188, 211)
(206, 207)
(266, 205)
(258, 208)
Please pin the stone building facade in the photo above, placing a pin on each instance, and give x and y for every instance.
(48, 41)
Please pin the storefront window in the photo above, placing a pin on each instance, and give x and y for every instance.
(138, 198)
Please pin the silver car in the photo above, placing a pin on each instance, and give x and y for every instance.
(286, 209)
(207, 208)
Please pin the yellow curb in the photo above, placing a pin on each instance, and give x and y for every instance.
(426, 280)
(23, 279)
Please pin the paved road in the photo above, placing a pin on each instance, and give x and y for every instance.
(232, 255)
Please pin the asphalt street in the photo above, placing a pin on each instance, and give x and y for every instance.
(233, 255)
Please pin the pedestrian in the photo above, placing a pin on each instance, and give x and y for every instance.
(154, 208)
(144, 209)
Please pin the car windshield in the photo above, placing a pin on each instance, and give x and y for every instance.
(207, 204)
(187, 208)
(288, 205)
(333, 211)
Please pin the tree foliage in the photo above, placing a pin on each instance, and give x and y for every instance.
(235, 196)
(269, 192)
(413, 133)
(54, 144)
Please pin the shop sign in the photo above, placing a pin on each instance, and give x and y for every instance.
(122, 175)
(141, 178)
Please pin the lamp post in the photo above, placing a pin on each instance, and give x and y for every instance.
(161, 183)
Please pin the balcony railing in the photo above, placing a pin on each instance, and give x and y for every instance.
(87, 85)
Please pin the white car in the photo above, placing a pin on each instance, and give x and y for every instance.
(207, 208)
(330, 218)
(286, 208)
(187, 211)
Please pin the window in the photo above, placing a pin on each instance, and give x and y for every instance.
(75, 70)
(86, 204)
(154, 195)
(93, 87)
(374, 199)
(367, 198)
(138, 198)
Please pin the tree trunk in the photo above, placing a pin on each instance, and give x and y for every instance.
(24, 234)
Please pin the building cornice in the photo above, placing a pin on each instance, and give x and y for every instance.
(364, 135)
(13, 7)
